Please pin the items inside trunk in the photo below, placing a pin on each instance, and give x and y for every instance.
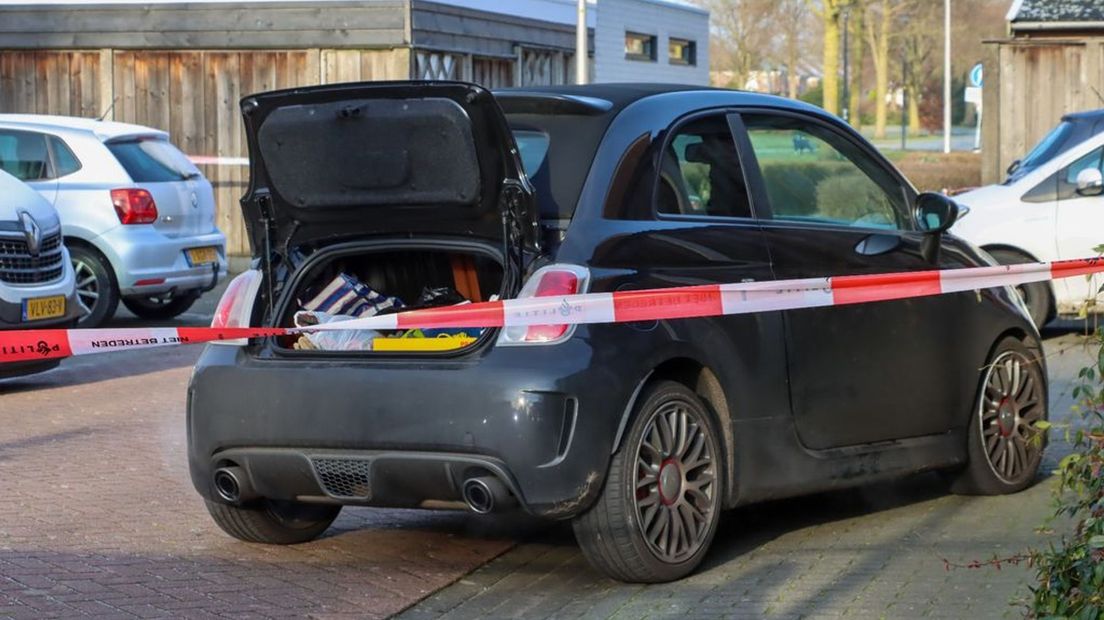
(373, 283)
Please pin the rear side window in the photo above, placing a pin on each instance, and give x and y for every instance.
(23, 155)
(152, 161)
(1092, 160)
(64, 159)
(533, 148)
(700, 172)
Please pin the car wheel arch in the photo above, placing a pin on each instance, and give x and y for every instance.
(1002, 247)
(704, 382)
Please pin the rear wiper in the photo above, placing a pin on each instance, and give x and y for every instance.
(188, 176)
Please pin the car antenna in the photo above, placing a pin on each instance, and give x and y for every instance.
(1098, 95)
(112, 107)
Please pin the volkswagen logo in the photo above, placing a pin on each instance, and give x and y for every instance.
(31, 231)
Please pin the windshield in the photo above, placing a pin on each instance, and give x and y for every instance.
(153, 161)
(1052, 144)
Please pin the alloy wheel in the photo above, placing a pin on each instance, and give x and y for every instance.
(676, 495)
(1011, 404)
(88, 287)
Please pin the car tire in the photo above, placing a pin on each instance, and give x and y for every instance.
(1036, 295)
(1004, 449)
(663, 481)
(158, 309)
(96, 285)
(273, 522)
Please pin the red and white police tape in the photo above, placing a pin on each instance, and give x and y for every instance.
(621, 307)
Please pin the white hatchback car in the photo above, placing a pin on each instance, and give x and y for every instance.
(1054, 212)
(138, 217)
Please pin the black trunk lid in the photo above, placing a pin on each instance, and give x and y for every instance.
(401, 159)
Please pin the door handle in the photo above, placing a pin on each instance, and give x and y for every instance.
(876, 244)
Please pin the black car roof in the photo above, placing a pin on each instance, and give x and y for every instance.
(576, 117)
(621, 95)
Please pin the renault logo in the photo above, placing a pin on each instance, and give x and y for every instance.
(32, 232)
(195, 200)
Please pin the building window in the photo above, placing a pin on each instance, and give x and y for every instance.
(682, 51)
(640, 46)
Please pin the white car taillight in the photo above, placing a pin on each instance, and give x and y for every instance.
(236, 306)
(551, 281)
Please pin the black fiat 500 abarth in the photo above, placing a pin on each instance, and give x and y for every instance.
(374, 197)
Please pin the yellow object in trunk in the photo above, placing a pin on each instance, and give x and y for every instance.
(440, 343)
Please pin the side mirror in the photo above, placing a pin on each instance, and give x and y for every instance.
(1090, 182)
(935, 213)
(1014, 166)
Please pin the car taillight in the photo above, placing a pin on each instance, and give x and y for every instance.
(551, 281)
(134, 206)
(235, 309)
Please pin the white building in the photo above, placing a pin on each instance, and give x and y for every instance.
(651, 41)
(633, 40)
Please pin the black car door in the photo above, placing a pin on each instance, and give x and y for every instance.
(861, 373)
(697, 227)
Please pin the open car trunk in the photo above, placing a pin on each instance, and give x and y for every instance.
(334, 163)
(353, 282)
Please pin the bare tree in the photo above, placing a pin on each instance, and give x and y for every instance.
(920, 26)
(742, 35)
(879, 19)
(830, 12)
(793, 22)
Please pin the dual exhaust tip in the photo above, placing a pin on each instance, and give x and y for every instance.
(482, 494)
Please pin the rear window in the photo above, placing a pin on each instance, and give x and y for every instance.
(152, 161)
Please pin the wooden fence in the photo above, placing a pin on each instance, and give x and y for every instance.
(191, 94)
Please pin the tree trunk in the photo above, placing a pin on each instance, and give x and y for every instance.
(791, 65)
(914, 111)
(854, 88)
(831, 56)
(880, 49)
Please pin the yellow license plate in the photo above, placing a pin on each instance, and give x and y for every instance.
(43, 308)
(202, 256)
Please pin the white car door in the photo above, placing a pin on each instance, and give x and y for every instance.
(1080, 224)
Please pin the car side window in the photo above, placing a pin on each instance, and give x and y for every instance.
(64, 158)
(700, 174)
(815, 176)
(23, 155)
(1091, 160)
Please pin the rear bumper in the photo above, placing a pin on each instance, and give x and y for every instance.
(405, 479)
(147, 262)
(540, 419)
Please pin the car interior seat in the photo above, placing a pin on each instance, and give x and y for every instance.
(728, 196)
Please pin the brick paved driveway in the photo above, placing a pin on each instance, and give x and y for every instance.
(98, 517)
(97, 514)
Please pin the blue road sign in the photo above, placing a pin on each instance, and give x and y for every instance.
(975, 75)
